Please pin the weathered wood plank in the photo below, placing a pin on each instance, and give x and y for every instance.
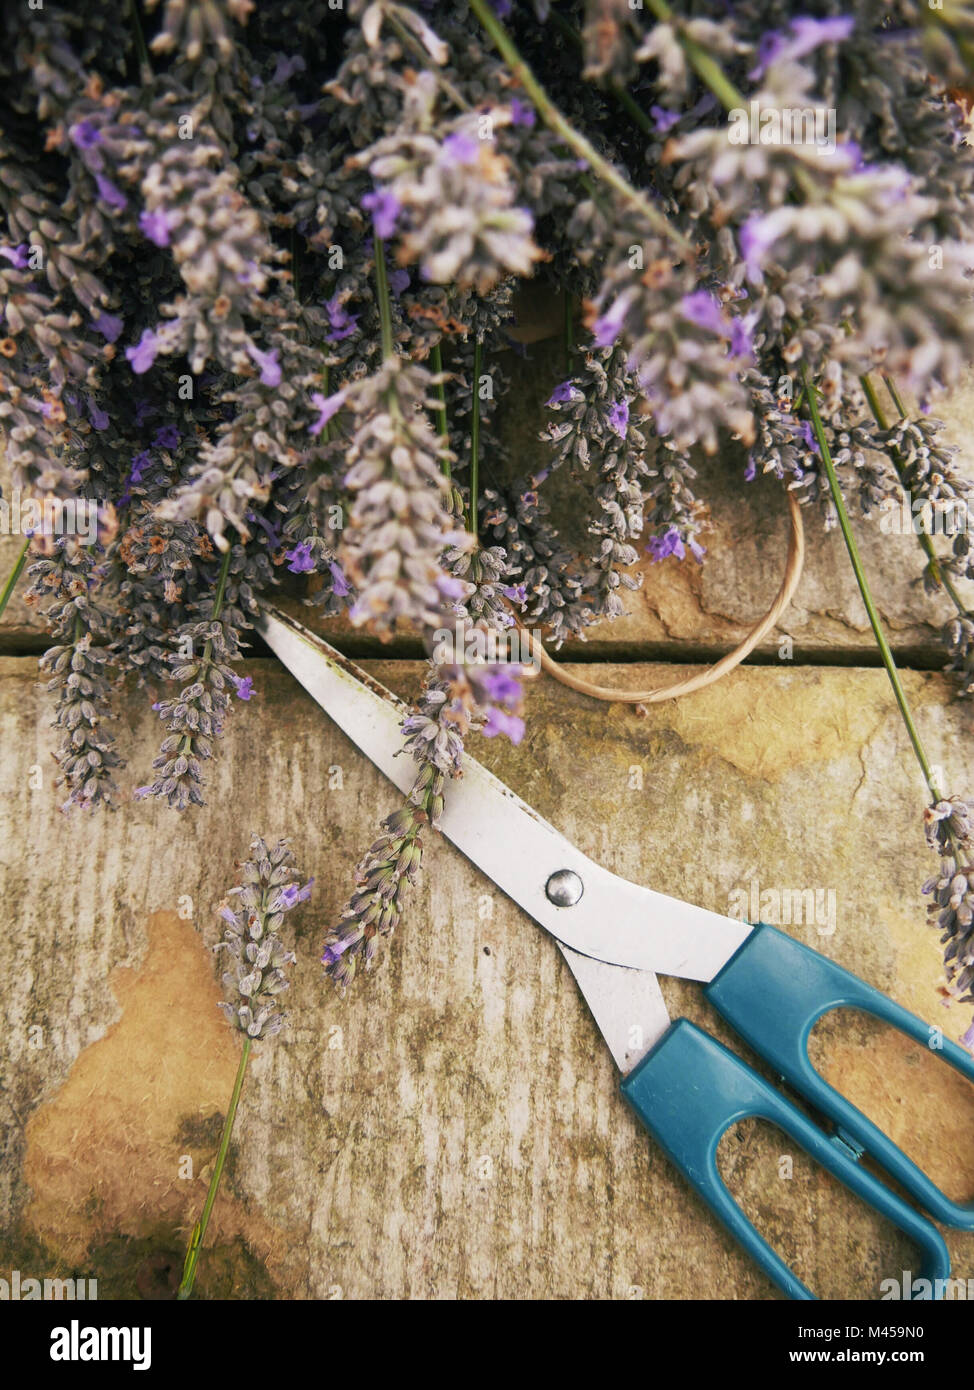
(452, 1128)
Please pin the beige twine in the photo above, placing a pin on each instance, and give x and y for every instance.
(793, 571)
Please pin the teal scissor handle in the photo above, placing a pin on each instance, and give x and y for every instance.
(689, 1089)
(773, 991)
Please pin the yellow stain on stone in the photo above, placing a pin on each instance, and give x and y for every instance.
(763, 729)
(103, 1155)
(769, 733)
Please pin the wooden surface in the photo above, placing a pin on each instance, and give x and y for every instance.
(452, 1128)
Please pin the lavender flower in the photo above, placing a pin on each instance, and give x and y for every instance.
(949, 825)
(253, 915)
(143, 354)
(155, 225)
(69, 579)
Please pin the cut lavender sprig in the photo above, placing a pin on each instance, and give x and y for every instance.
(271, 886)
(253, 915)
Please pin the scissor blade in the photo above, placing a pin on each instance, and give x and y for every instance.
(627, 1005)
(614, 920)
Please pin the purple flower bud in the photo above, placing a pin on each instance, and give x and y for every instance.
(450, 587)
(502, 686)
(618, 418)
(270, 371)
(385, 208)
(155, 226)
(757, 235)
(742, 340)
(702, 309)
(108, 325)
(292, 894)
(143, 354)
(266, 527)
(342, 323)
(806, 35)
(139, 464)
(288, 66)
(808, 434)
(109, 194)
(500, 722)
(333, 953)
(327, 406)
(99, 418)
(662, 119)
(339, 585)
(522, 113)
(562, 393)
(667, 544)
(302, 561)
(17, 255)
(399, 281)
(245, 687)
(608, 326)
(167, 437)
(459, 148)
(85, 135)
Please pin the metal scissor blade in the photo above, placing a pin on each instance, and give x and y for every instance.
(614, 920)
(627, 1005)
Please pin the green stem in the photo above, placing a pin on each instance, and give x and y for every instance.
(896, 397)
(555, 121)
(441, 421)
(294, 264)
(385, 306)
(704, 64)
(716, 80)
(621, 94)
(926, 542)
(144, 60)
(569, 330)
(199, 1230)
(326, 380)
(874, 622)
(14, 575)
(411, 42)
(475, 438)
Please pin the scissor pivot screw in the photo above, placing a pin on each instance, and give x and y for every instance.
(564, 888)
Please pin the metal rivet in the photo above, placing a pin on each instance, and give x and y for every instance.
(564, 888)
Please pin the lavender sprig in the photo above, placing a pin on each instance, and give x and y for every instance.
(271, 887)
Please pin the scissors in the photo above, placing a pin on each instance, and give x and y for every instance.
(617, 937)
